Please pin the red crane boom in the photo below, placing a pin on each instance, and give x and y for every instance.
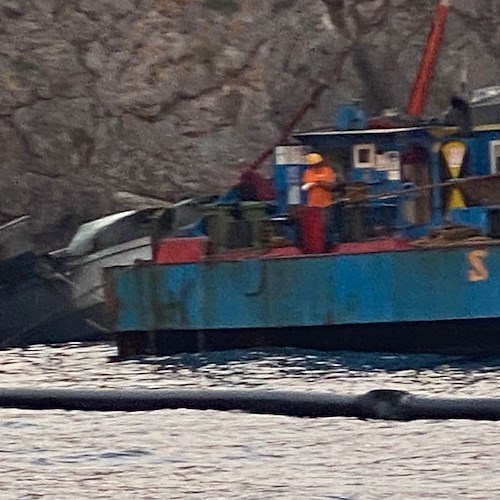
(422, 83)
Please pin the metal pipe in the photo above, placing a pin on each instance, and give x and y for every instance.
(301, 112)
(401, 192)
(378, 404)
(15, 222)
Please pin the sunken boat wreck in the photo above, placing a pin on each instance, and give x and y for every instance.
(58, 297)
(36, 298)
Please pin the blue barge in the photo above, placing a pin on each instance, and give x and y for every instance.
(405, 258)
(420, 272)
(416, 300)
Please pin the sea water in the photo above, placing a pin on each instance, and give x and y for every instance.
(172, 454)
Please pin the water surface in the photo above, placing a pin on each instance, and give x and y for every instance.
(208, 454)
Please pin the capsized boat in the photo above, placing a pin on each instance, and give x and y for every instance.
(35, 297)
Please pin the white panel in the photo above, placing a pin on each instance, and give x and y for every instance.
(495, 157)
(294, 197)
(290, 155)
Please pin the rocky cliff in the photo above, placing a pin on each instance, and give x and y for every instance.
(108, 104)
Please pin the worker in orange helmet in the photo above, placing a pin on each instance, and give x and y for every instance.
(318, 181)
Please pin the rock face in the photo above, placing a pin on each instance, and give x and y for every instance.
(101, 100)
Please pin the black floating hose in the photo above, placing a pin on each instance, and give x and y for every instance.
(379, 404)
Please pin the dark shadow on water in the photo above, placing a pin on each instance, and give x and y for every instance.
(323, 361)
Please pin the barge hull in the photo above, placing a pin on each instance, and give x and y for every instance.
(479, 338)
(328, 301)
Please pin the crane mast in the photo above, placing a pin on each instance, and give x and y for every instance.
(420, 91)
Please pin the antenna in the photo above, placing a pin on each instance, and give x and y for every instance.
(464, 76)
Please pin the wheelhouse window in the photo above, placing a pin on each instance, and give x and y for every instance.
(495, 156)
(364, 155)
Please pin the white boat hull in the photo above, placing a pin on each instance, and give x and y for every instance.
(86, 272)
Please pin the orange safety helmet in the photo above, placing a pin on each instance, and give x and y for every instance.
(314, 158)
